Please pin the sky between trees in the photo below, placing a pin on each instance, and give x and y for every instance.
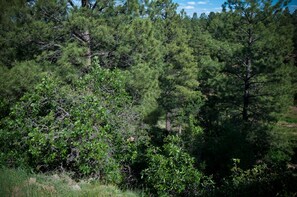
(207, 6)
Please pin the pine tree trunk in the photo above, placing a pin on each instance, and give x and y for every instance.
(248, 70)
(179, 129)
(168, 124)
(84, 3)
(87, 39)
(246, 96)
(89, 51)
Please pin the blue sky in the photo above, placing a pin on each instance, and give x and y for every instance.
(207, 6)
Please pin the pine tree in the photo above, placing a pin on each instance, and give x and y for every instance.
(179, 86)
(259, 62)
(250, 82)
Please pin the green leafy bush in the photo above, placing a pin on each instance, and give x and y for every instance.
(15, 82)
(73, 128)
(170, 171)
(260, 180)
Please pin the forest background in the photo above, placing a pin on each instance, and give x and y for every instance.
(134, 94)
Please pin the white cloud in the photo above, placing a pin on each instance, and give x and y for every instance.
(202, 2)
(188, 7)
(191, 3)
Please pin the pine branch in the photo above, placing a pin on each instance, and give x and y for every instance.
(95, 5)
(79, 37)
(71, 3)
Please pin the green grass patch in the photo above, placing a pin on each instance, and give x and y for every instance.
(18, 182)
(290, 116)
(284, 137)
(288, 123)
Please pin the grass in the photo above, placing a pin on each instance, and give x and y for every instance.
(19, 183)
(290, 116)
(285, 136)
(288, 123)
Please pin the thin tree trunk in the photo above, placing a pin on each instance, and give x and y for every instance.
(246, 96)
(84, 3)
(179, 129)
(248, 70)
(87, 39)
(168, 124)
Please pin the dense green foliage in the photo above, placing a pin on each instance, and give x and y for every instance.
(134, 94)
(171, 170)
